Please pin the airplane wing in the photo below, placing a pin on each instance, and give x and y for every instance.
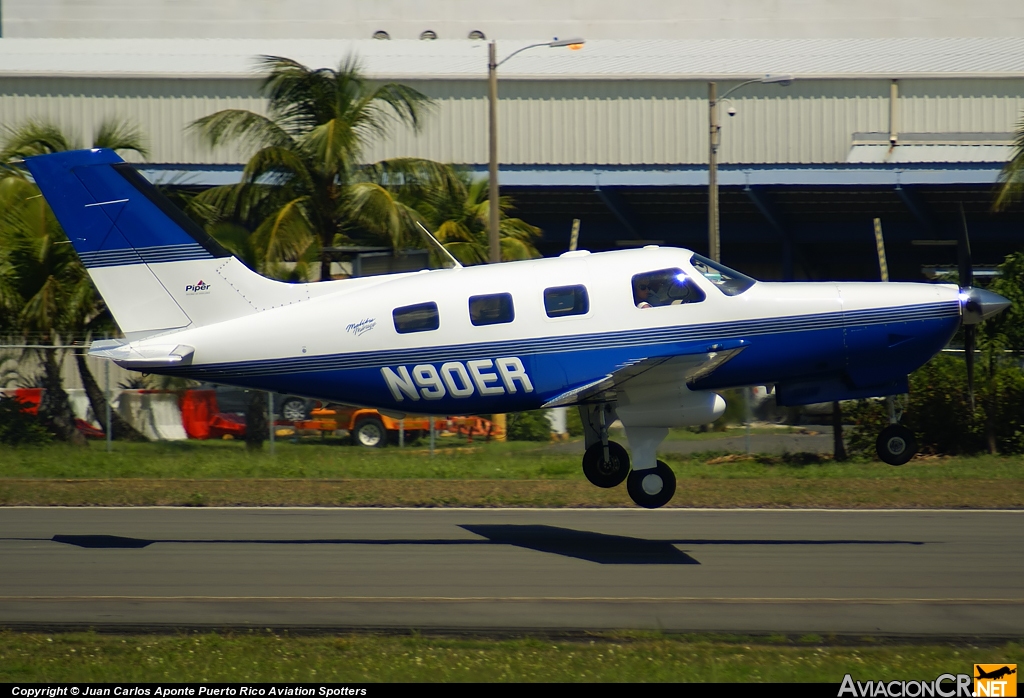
(675, 368)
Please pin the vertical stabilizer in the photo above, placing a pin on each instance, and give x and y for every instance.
(155, 268)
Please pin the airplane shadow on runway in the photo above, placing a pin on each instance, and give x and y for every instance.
(601, 548)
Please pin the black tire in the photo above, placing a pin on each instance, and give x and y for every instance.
(896, 444)
(294, 410)
(370, 432)
(606, 474)
(652, 488)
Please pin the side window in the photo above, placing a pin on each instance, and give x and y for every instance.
(421, 317)
(664, 287)
(494, 309)
(566, 300)
(728, 281)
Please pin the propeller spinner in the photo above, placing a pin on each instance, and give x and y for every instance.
(977, 303)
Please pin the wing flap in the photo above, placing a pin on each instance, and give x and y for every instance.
(688, 368)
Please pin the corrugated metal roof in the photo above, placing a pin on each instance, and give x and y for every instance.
(684, 59)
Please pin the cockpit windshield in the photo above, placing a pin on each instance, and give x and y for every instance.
(726, 280)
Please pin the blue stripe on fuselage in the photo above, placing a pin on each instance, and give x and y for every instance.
(652, 341)
(780, 349)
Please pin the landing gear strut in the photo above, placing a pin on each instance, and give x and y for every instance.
(651, 483)
(605, 463)
(896, 444)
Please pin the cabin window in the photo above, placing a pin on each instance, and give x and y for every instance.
(421, 317)
(728, 281)
(494, 309)
(653, 289)
(566, 300)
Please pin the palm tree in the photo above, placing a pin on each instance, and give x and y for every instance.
(1012, 175)
(45, 291)
(458, 212)
(305, 184)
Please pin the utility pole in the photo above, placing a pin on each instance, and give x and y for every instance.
(493, 191)
(714, 130)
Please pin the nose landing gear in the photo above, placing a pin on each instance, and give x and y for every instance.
(896, 444)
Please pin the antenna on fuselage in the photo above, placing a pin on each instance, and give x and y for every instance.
(445, 254)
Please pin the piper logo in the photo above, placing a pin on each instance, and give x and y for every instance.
(198, 288)
(995, 680)
(458, 379)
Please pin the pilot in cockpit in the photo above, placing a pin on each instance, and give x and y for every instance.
(645, 292)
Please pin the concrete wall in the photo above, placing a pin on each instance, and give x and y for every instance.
(513, 19)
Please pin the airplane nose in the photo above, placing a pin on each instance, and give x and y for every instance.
(979, 304)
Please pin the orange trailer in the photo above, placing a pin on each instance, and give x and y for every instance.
(370, 428)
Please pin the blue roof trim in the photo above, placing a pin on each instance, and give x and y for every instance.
(834, 175)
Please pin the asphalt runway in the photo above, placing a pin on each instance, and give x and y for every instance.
(950, 573)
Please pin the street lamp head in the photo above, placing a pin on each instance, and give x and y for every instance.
(574, 44)
(784, 79)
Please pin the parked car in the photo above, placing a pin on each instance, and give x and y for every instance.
(289, 408)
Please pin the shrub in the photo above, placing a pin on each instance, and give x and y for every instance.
(573, 421)
(19, 428)
(938, 409)
(528, 426)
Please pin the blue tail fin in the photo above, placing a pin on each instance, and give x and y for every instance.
(113, 215)
(155, 268)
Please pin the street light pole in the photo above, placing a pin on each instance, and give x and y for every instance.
(714, 244)
(492, 155)
(714, 138)
(493, 190)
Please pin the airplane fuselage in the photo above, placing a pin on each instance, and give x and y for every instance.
(816, 341)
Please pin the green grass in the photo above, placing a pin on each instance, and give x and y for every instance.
(513, 474)
(500, 461)
(229, 459)
(612, 657)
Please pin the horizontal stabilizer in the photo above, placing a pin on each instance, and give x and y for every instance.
(135, 358)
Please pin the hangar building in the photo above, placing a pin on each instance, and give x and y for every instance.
(891, 114)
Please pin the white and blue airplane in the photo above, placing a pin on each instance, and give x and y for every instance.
(646, 336)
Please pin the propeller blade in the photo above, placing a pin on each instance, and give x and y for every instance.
(963, 250)
(969, 339)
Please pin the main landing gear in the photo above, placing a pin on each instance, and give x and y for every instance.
(896, 444)
(606, 464)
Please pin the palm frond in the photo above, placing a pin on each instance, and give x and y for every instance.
(279, 166)
(372, 207)
(230, 125)
(334, 146)
(237, 240)
(35, 138)
(1011, 177)
(284, 236)
(120, 135)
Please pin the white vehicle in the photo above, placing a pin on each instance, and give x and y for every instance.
(645, 336)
